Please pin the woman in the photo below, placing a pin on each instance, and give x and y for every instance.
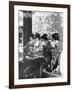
(47, 53)
(55, 53)
(28, 49)
(34, 61)
(36, 44)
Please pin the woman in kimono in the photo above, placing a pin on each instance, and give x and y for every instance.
(28, 49)
(39, 59)
(34, 58)
(28, 58)
(55, 63)
(36, 44)
(47, 53)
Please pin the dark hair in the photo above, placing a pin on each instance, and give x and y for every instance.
(37, 35)
(55, 36)
(32, 35)
(44, 36)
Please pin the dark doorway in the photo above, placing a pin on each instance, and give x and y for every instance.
(27, 26)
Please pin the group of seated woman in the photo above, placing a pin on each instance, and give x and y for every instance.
(43, 46)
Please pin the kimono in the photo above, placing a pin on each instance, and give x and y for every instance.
(51, 52)
(48, 55)
(33, 62)
(55, 62)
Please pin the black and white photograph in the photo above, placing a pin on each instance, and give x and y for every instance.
(39, 44)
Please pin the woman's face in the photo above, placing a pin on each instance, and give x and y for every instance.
(37, 39)
(31, 38)
(43, 42)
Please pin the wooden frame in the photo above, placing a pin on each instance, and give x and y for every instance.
(11, 44)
